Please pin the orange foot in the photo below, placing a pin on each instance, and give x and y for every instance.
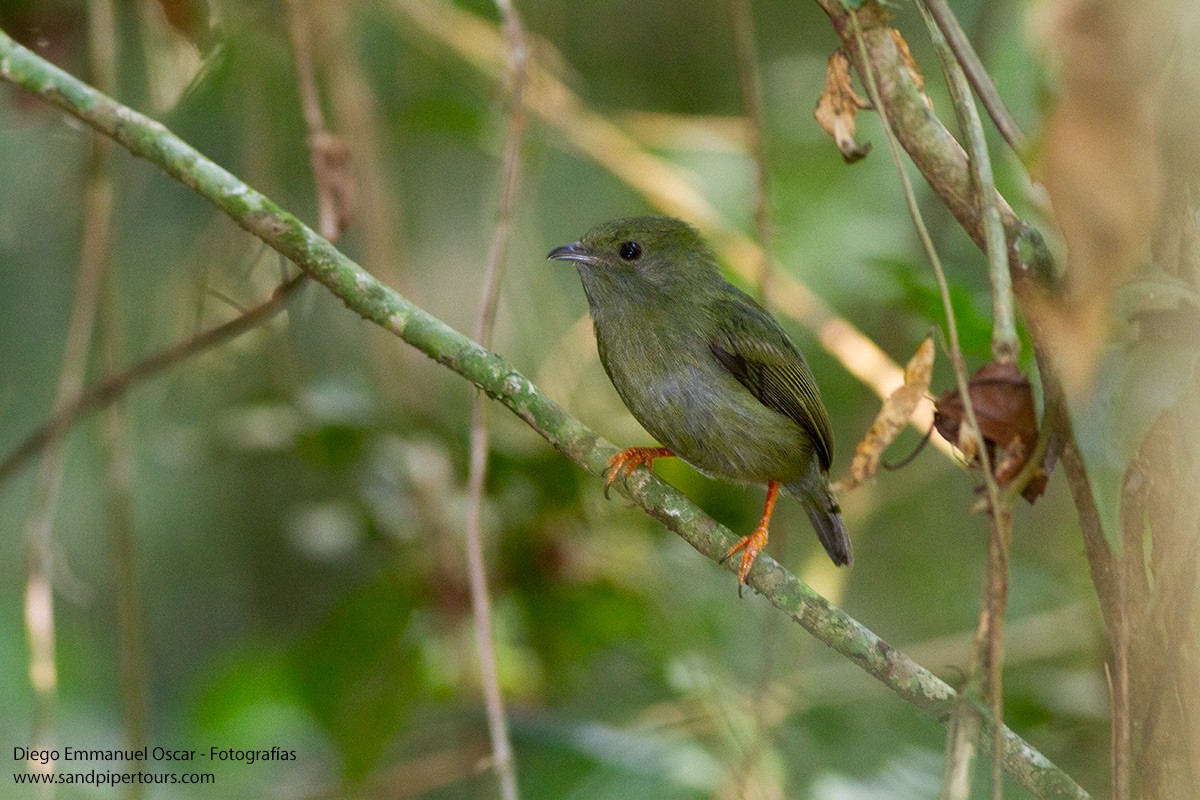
(757, 540)
(630, 459)
(750, 547)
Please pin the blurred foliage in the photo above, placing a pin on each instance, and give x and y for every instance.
(299, 493)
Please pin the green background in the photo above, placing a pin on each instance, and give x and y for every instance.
(300, 492)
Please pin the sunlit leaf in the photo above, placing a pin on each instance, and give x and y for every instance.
(897, 410)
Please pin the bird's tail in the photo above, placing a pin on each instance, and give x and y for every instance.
(826, 518)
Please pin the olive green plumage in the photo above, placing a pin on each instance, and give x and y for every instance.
(703, 367)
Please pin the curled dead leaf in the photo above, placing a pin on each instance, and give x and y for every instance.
(897, 410)
(1003, 401)
(837, 107)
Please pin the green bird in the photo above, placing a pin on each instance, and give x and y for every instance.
(707, 371)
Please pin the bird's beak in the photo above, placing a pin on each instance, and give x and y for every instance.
(575, 251)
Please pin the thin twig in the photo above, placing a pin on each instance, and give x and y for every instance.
(383, 306)
(111, 389)
(325, 152)
(977, 74)
(118, 455)
(1005, 345)
(1005, 348)
(960, 740)
(481, 606)
(131, 666)
(1121, 741)
(956, 356)
(39, 522)
(750, 78)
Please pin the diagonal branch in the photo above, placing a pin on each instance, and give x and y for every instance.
(977, 74)
(934, 150)
(109, 391)
(377, 303)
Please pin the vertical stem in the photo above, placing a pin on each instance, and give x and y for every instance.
(750, 78)
(962, 733)
(1005, 345)
(330, 218)
(502, 752)
(39, 523)
(1120, 744)
(971, 64)
(135, 695)
(102, 40)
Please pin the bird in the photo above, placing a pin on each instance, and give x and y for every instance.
(707, 371)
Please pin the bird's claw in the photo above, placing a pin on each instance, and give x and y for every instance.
(629, 459)
(750, 546)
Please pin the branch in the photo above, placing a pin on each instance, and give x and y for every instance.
(38, 528)
(377, 303)
(932, 148)
(112, 389)
(977, 74)
(750, 78)
(965, 724)
(1005, 345)
(326, 153)
(988, 653)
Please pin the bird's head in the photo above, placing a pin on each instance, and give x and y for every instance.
(640, 259)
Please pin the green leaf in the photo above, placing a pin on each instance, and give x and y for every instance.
(1135, 386)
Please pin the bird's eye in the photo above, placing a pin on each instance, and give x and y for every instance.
(630, 251)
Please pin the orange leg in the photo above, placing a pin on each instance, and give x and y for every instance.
(757, 540)
(628, 460)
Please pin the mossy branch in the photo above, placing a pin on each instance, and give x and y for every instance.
(932, 148)
(377, 303)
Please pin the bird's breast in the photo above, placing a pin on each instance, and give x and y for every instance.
(682, 396)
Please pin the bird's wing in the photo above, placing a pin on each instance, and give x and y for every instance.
(749, 343)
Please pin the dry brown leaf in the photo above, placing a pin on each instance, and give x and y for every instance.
(1015, 456)
(1010, 466)
(189, 17)
(1003, 401)
(897, 410)
(837, 107)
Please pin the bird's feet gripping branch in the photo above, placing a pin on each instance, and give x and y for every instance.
(757, 540)
(630, 459)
